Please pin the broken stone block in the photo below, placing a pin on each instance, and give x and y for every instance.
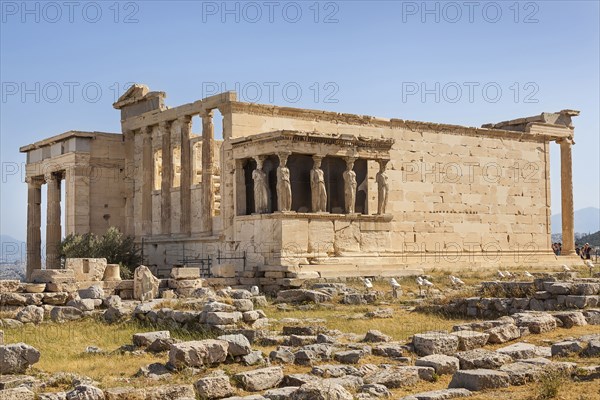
(348, 357)
(145, 284)
(442, 394)
(537, 322)
(238, 345)
(223, 318)
(214, 386)
(519, 351)
(302, 295)
(392, 350)
(16, 358)
(435, 343)
(31, 314)
(321, 391)
(469, 340)
(374, 336)
(479, 379)
(393, 377)
(482, 358)
(570, 319)
(567, 347)
(145, 339)
(282, 393)
(185, 273)
(282, 355)
(442, 364)
(86, 269)
(93, 292)
(64, 314)
(503, 333)
(53, 276)
(259, 379)
(19, 393)
(198, 353)
(521, 373)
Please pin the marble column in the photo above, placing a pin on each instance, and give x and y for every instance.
(566, 192)
(34, 215)
(53, 224)
(166, 178)
(208, 191)
(185, 193)
(147, 182)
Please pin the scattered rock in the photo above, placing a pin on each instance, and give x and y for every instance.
(214, 386)
(567, 347)
(260, 379)
(479, 379)
(348, 357)
(321, 391)
(145, 339)
(85, 392)
(503, 333)
(435, 343)
(31, 314)
(374, 336)
(16, 358)
(198, 353)
(481, 358)
(442, 364)
(469, 340)
(64, 314)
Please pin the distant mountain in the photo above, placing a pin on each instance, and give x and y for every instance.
(12, 249)
(593, 239)
(587, 220)
(12, 258)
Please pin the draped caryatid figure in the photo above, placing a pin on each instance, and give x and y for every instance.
(349, 186)
(261, 188)
(317, 186)
(284, 185)
(382, 187)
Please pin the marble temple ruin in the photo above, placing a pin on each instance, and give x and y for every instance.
(284, 194)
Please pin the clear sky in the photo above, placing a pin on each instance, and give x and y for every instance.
(63, 64)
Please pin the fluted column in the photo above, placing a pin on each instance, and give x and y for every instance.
(53, 225)
(208, 191)
(566, 192)
(167, 177)
(34, 216)
(147, 174)
(186, 176)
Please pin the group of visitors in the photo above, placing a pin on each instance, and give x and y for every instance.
(557, 248)
(584, 252)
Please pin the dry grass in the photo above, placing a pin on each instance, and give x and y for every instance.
(349, 319)
(63, 346)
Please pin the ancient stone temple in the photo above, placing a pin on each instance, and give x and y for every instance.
(283, 194)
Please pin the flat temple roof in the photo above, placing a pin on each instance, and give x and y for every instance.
(63, 136)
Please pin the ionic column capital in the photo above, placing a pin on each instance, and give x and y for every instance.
(49, 177)
(165, 124)
(566, 141)
(185, 119)
(34, 181)
(206, 114)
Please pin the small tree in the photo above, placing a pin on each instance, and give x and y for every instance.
(112, 245)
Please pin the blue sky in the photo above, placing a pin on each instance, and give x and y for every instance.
(63, 66)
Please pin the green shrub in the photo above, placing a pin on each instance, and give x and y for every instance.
(112, 245)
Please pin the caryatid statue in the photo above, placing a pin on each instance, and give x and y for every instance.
(261, 190)
(382, 187)
(349, 186)
(284, 186)
(317, 186)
